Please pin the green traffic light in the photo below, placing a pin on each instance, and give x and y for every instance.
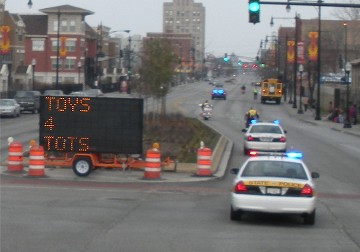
(254, 6)
(254, 11)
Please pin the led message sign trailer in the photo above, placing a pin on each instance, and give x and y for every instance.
(91, 124)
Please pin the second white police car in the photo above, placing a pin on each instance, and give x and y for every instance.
(264, 136)
(274, 183)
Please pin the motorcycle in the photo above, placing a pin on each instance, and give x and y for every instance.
(243, 89)
(206, 113)
(255, 96)
(250, 120)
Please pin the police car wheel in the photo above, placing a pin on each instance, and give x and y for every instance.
(82, 166)
(309, 219)
(235, 215)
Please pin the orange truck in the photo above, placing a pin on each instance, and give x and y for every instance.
(271, 90)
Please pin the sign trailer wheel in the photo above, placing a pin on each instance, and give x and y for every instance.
(82, 166)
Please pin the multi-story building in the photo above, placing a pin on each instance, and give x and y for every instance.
(339, 44)
(186, 16)
(55, 48)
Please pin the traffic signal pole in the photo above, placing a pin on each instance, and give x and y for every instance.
(343, 5)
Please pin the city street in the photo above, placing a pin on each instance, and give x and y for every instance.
(87, 214)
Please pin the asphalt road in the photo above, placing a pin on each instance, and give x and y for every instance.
(82, 215)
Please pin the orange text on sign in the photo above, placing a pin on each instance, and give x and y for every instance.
(62, 104)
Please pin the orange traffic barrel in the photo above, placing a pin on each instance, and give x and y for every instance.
(15, 157)
(152, 164)
(204, 162)
(36, 161)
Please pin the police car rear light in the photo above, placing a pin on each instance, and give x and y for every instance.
(240, 187)
(306, 191)
(253, 153)
(282, 139)
(250, 138)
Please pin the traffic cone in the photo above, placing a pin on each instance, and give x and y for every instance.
(15, 157)
(203, 162)
(36, 162)
(152, 163)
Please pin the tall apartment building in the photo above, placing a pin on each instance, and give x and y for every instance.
(187, 17)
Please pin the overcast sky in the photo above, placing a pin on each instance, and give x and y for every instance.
(227, 27)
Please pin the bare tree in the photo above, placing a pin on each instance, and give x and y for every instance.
(157, 70)
(347, 13)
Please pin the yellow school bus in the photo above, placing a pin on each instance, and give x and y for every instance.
(271, 90)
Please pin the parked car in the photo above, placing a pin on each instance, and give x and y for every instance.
(78, 93)
(9, 107)
(94, 92)
(53, 92)
(28, 100)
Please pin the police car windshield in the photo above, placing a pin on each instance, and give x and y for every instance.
(282, 169)
(265, 129)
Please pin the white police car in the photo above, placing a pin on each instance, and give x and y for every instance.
(274, 183)
(264, 136)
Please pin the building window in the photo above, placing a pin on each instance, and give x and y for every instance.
(55, 27)
(54, 45)
(69, 64)
(38, 45)
(64, 26)
(53, 64)
(72, 26)
(70, 45)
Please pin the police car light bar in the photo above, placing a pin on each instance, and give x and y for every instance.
(296, 155)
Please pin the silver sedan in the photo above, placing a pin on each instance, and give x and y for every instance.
(9, 107)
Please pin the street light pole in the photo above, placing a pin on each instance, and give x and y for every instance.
(285, 70)
(79, 68)
(347, 123)
(33, 63)
(129, 63)
(30, 4)
(300, 110)
(295, 58)
(57, 50)
(288, 88)
(318, 117)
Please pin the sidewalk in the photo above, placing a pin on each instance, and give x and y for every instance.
(309, 117)
(183, 172)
